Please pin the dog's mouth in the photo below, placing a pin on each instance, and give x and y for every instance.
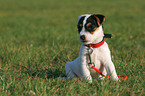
(83, 41)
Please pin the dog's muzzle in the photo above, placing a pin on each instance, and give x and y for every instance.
(83, 39)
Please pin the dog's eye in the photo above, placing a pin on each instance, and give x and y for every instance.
(91, 28)
(80, 27)
(80, 24)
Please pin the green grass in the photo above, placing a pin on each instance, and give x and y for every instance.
(38, 37)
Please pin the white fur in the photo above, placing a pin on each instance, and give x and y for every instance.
(101, 57)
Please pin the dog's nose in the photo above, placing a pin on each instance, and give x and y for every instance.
(82, 37)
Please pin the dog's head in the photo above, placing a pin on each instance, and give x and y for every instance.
(90, 27)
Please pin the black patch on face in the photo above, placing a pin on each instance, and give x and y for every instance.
(80, 24)
(91, 24)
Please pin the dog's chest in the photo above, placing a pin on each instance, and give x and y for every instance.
(95, 58)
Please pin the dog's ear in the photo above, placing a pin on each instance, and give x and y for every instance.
(100, 18)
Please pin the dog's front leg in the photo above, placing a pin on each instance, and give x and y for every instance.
(84, 64)
(111, 70)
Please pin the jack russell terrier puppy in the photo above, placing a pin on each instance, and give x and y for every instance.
(91, 35)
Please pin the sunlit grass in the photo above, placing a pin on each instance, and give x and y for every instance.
(38, 37)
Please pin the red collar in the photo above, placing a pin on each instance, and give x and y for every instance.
(98, 44)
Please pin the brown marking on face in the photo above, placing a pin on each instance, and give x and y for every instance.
(81, 25)
(89, 24)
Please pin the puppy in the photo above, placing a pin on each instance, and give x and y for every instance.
(91, 34)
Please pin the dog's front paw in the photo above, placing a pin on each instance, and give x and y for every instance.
(114, 78)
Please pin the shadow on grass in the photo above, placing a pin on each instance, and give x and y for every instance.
(46, 74)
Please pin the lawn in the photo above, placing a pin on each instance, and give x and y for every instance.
(38, 37)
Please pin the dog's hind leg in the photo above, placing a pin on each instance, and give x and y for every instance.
(69, 72)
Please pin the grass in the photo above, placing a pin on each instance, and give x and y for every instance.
(38, 37)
